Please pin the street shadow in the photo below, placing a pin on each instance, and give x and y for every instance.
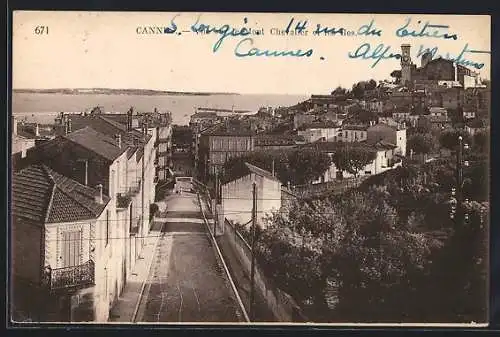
(172, 227)
(184, 214)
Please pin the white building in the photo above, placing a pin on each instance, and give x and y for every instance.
(324, 131)
(390, 134)
(237, 195)
(353, 133)
(386, 158)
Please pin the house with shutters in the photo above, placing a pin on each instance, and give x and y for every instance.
(222, 142)
(139, 141)
(63, 248)
(94, 159)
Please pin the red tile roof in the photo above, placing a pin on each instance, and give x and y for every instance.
(42, 195)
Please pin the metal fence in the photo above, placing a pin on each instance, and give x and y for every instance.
(74, 276)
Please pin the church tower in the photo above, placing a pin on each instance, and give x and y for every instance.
(405, 64)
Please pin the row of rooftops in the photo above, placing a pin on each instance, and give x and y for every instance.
(100, 133)
(41, 195)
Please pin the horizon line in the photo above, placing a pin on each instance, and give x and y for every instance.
(166, 91)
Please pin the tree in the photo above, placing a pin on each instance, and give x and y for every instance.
(421, 143)
(358, 89)
(297, 166)
(481, 141)
(372, 84)
(356, 241)
(353, 159)
(339, 91)
(449, 138)
(307, 165)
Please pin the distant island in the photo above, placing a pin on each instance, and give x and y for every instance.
(106, 91)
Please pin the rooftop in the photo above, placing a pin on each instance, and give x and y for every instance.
(245, 169)
(101, 123)
(97, 142)
(393, 127)
(44, 196)
(269, 140)
(355, 127)
(328, 124)
(228, 129)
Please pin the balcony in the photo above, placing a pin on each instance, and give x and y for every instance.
(80, 276)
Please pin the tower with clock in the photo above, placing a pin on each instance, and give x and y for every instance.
(405, 64)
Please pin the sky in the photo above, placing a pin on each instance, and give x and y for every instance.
(108, 50)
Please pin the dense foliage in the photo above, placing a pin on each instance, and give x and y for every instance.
(449, 138)
(353, 159)
(295, 166)
(420, 143)
(391, 248)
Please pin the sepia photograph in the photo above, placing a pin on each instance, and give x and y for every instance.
(249, 169)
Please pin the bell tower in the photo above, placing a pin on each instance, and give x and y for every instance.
(405, 64)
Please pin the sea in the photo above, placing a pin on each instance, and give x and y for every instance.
(44, 107)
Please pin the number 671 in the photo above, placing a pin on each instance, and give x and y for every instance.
(39, 30)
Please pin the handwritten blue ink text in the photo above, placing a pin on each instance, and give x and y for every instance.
(427, 30)
(380, 52)
(245, 48)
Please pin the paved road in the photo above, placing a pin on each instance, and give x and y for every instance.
(186, 282)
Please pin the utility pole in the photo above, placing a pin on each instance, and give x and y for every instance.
(145, 130)
(216, 218)
(457, 203)
(252, 269)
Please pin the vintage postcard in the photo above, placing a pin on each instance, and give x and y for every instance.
(250, 168)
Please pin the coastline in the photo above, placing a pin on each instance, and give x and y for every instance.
(99, 91)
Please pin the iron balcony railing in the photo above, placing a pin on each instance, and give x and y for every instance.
(73, 277)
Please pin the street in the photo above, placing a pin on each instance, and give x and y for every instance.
(186, 282)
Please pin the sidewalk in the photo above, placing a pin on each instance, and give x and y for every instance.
(125, 308)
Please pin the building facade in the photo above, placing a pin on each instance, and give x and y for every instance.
(221, 143)
(237, 195)
(320, 131)
(390, 134)
(66, 265)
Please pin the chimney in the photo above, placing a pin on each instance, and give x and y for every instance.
(118, 139)
(129, 119)
(37, 130)
(98, 197)
(85, 171)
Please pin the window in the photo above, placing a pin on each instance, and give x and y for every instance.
(108, 228)
(71, 248)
